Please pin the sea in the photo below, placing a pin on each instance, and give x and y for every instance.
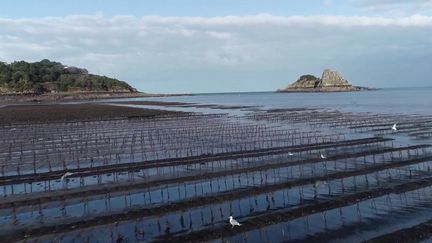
(410, 100)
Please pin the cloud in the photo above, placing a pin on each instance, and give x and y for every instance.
(395, 6)
(229, 53)
(393, 2)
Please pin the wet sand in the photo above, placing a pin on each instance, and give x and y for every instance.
(154, 175)
(183, 104)
(45, 113)
(74, 96)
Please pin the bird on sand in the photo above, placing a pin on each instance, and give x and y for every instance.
(323, 157)
(233, 222)
(66, 175)
(394, 128)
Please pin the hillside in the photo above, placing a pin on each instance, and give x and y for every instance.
(53, 77)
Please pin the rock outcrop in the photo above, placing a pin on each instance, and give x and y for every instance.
(330, 81)
(333, 79)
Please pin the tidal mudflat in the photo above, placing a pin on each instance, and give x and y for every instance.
(113, 173)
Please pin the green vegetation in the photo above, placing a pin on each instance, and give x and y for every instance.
(308, 77)
(47, 76)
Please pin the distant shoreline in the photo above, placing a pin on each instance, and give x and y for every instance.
(74, 96)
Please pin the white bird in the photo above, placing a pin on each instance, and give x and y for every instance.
(233, 222)
(290, 154)
(66, 175)
(394, 128)
(323, 157)
(318, 183)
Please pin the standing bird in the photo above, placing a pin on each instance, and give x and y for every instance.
(233, 222)
(290, 154)
(323, 157)
(394, 128)
(66, 175)
(318, 183)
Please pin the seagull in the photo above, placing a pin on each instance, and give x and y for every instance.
(318, 183)
(394, 128)
(66, 175)
(323, 157)
(290, 154)
(233, 222)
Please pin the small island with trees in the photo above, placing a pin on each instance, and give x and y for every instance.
(51, 81)
(330, 81)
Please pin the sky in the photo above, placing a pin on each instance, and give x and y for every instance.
(205, 46)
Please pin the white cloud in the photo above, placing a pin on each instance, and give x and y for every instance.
(197, 54)
(267, 19)
(219, 35)
(399, 7)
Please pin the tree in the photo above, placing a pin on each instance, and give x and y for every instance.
(44, 76)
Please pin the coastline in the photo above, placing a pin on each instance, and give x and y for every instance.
(74, 96)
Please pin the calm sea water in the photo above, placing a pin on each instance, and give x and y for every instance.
(396, 100)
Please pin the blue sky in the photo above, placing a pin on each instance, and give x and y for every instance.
(208, 8)
(227, 45)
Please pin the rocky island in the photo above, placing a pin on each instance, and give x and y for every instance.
(330, 81)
